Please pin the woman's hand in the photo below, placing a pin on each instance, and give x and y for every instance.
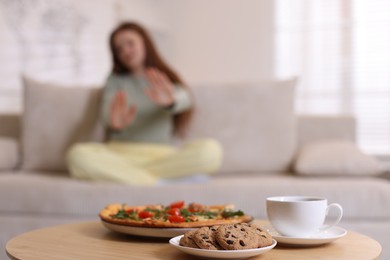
(120, 114)
(161, 90)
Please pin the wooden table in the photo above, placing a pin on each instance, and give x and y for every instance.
(90, 240)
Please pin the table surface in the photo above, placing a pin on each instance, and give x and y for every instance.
(90, 240)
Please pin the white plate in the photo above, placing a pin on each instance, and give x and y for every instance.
(224, 254)
(325, 237)
(146, 231)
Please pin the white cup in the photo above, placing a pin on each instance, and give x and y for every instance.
(300, 216)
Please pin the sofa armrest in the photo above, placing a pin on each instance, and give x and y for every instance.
(10, 125)
(317, 127)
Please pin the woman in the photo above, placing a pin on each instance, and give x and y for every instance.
(144, 103)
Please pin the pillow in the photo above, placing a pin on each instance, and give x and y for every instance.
(9, 153)
(255, 124)
(54, 118)
(335, 157)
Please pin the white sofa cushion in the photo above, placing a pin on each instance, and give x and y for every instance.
(9, 153)
(54, 118)
(319, 127)
(255, 124)
(335, 157)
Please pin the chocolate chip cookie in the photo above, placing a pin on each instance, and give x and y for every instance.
(205, 238)
(237, 237)
(188, 239)
(264, 238)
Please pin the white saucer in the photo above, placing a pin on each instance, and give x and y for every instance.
(321, 238)
(222, 254)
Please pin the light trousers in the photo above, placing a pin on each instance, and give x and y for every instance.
(142, 163)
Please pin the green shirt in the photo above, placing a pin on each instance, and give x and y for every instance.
(153, 123)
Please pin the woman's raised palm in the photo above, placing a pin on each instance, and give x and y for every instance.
(121, 115)
(161, 90)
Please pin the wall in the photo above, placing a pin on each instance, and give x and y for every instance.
(64, 41)
(208, 42)
(221, 41)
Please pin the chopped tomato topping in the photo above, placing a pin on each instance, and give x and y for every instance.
(177, 204)
(130, 211)
(176, 219)
(145, 214)
(174, 212)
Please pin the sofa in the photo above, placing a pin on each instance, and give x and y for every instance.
(255, 123)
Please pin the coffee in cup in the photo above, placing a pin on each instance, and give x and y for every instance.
(300, 216)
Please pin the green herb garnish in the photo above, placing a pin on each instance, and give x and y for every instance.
(230, 213)
(208, 214)
(122, 214)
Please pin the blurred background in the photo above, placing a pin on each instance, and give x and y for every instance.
(339, 49)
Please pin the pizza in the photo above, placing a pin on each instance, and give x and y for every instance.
(175, 215)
